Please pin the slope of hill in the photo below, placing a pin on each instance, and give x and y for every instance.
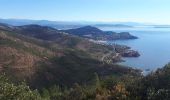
(44, 63)
(155, 86)
(19, 56)
(97, 34)
(66, 40)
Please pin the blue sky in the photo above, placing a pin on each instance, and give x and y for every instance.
(150, 11)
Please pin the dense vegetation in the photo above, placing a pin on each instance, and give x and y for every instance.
(42, 63)
(154, 86)
(69, 70)
(10, 91)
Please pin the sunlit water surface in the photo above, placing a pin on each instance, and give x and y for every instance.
(153, 45)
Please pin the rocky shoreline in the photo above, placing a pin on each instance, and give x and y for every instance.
(130, 53)
(118, 52)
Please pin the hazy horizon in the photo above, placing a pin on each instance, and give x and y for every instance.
(86, 21)
(144, 11)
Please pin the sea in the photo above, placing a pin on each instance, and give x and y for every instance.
(153, 45)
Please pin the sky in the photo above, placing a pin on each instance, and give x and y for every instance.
(145, 11)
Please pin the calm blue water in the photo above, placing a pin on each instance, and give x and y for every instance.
(153, 45)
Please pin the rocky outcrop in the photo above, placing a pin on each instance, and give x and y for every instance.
(125, 51)
(125, 35)
(118, 52)
(130, 53)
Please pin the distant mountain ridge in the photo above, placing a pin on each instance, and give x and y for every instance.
(114, 25)
(69, 24)
(97, 34)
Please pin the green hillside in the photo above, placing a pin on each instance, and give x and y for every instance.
(70, 68)
(44, 63)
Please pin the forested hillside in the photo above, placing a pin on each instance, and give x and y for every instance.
(40, 62)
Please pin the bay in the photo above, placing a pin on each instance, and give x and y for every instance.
(153, 45)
